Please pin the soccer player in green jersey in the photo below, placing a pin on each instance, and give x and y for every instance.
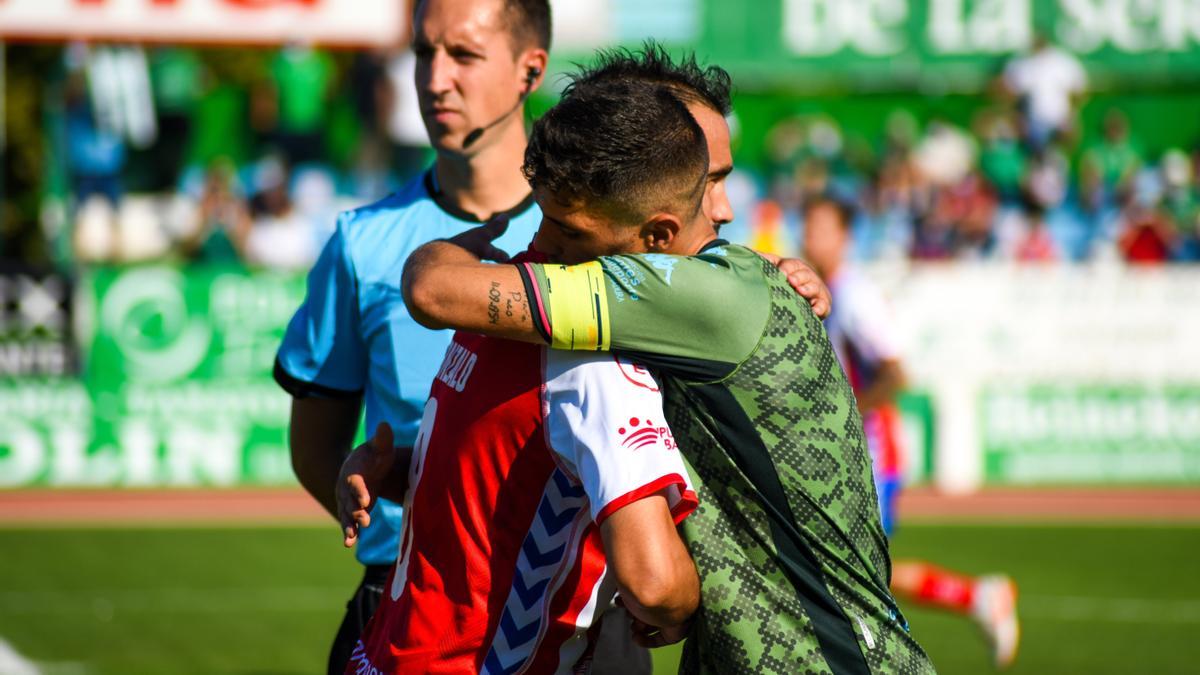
(792, 558)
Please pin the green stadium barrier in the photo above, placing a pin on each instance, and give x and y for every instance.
(1054, 433)
(176, 387)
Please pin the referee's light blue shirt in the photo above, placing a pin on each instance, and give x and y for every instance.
(353, 335)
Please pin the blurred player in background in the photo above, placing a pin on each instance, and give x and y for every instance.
(352, 341)
(865, 340)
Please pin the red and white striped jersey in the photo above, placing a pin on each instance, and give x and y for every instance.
(521, 454)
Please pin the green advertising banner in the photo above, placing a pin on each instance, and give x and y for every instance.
(176, 386)
(939, 45)
(1091, 434)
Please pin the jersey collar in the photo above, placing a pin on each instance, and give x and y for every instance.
(713, 244)
(443, 203)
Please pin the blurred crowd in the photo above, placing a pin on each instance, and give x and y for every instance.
(246, 157)
(167, 155)
(1017, 185)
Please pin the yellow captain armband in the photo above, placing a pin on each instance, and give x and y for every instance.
(578, 307)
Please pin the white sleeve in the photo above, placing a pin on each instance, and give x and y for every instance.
(605, 422)
(869, 324)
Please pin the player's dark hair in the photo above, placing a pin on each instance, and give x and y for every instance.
(691, 82)
(844, 210)
(630, 149)
(528, 21)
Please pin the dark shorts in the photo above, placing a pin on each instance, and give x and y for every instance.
(358, 611)
(614, 654)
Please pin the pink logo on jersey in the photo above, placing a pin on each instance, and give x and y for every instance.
(643, 433)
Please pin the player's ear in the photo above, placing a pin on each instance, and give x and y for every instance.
(659, 233)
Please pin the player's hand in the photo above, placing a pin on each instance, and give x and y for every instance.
(359, 480)
(478, 240)
(651, 637)
(805, 281)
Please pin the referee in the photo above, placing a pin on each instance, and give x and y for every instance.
(352, 341)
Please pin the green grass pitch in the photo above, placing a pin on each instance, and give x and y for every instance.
(1095, 599)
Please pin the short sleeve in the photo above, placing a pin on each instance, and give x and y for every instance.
(323, 352)
(605, 424)
(869, 324)
(707, 308)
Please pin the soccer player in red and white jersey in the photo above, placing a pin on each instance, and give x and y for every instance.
(863, 336)
(542, 482)
(527, 464)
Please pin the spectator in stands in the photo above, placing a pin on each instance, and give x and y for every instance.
(1116, 158)
(280, 236)
(1146, 235)
(175, 78)
(224, 220)
(1001, 158)
(1047, 83)
(1180, 201)
(301, 82)
(95, 155)
(1036, 245)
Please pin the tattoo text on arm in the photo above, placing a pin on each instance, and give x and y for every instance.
(494, 303)
(516, 305)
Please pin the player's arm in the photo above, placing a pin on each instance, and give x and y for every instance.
(889, 382)
(604, 420)
(655, 574)
(870, 327)
(322, 364)
(320, 434)
(446, 286)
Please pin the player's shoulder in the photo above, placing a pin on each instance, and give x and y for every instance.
(715, 260)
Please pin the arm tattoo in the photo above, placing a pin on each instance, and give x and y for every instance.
(517, 305)
(494, 304)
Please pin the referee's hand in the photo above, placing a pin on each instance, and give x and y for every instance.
(359, 481)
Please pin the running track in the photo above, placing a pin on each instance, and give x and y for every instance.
(292, 506)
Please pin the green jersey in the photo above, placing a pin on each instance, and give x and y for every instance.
(793, 561)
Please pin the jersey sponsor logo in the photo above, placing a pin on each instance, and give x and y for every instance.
(457, 366)
(665, 263)
(644, 433)
(626, 276)
(636, 373)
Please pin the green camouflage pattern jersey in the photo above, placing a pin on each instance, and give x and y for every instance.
(793, 560)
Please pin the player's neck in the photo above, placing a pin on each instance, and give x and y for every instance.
(489, 181)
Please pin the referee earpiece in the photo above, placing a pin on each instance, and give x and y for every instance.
(531, 76)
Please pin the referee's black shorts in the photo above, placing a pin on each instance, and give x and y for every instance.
(358, 612)
(614, 654)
